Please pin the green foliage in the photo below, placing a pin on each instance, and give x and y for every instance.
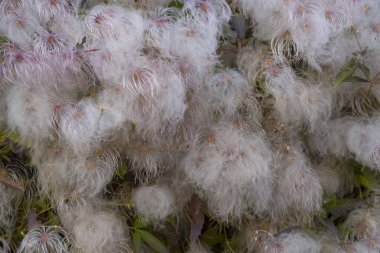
(7, 141)
(212, 236)
(30, 201)
(121, 170)
(336, 208)
(347, 71)
(365, 70)
(41, 207)
(176, 4)
(140, 236)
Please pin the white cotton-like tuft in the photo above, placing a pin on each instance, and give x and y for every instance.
(114, 22)
(332, 140)
(79, 125)
(154, 202)
(93, 229)
(251, 61)
(299, 29)
(69, 26)
(329, 178)
(113, 110)
(31, 113)
(299, 242)
(363, 223)
(230, 170)
(363, 140)
(115, 37)
(156, 99)
(62, 171)
(298, 102)
(99, 232)
(225, 96)
(198, 42)
(47, 10)
(271, 17)
(19, 26)
(150, 4)
(148, 158)
(44, 239)
(359, 247)
(211, 11)
(298, 191)
(309, 30)
(289, 242)
(348, 136)
(225, 91)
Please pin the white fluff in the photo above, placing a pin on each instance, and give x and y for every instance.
(298, 191)
(290, 242)
(62, 172)
(298, 102)
(154, 202)
(99, 232)
(230, 170)
(44, 240)
(363, 141)
(362, 223)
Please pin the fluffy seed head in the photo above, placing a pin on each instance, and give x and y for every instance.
(154, 202)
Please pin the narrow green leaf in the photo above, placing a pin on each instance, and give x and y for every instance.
(153, 242)
(356, 79)
(137, 240)
(133, 128)
(5, 150)
(121, 170)
(6, 158)
(344, 206)
(347, 71)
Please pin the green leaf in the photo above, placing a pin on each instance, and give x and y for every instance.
(330, 204)
(3, 39)
(342, 207)
(212, 236)
(356, 79)
(368, 179)
(53, 219)
(133, 128)
(140, 224)
(121, 170)
(137, 240)
(5, 150)
(347, 71)
(6, 158)
(365, 70)
(153, 242)
(81, 44)
(176, 4)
